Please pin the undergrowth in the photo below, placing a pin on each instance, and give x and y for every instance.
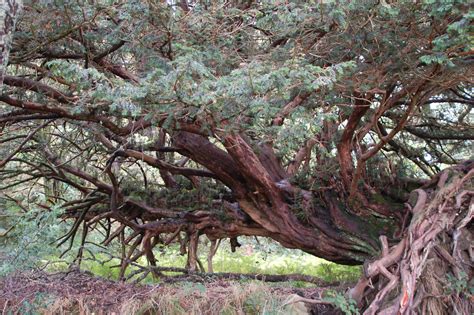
(251, 258)
(32, 244)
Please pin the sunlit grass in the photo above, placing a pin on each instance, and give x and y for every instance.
(251, 258)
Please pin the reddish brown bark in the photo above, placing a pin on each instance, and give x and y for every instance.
(345, 145)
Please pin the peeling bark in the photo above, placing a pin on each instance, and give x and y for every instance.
(414, 274)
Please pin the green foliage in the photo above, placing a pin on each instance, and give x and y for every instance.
(31, 240)
(265, 257)
(459, 32)
(229, 68)
(461, 284)
(258, 303)
(37, 305)
(74, 74)
(346, 305)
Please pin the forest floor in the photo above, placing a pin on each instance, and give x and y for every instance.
(81, 292)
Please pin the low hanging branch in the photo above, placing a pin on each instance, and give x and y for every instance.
(25, 141)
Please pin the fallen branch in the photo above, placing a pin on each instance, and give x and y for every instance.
(206, 276)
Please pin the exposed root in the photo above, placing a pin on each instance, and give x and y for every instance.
(430, 269)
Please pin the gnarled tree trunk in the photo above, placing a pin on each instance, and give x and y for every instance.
(9, 11)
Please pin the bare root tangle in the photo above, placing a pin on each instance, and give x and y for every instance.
(433, 253)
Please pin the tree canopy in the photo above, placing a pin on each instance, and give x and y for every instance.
(309, 122)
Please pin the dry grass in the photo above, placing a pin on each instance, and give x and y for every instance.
(80, 293)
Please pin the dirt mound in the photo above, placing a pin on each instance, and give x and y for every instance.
(82, 293)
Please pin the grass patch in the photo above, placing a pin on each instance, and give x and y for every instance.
(263, 257)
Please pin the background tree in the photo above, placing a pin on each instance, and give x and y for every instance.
(322, 125)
